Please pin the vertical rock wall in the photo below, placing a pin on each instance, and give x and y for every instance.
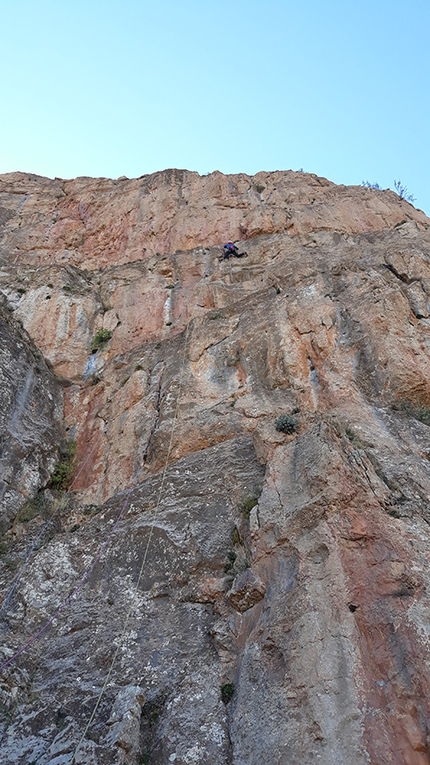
(30, 419)
(240, 571)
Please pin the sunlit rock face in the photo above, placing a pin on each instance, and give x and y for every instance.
(246, 531)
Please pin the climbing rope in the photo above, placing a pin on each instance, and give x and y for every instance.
(58, 507)
(145, 555)
(86, 575)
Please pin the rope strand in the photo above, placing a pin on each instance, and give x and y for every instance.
(128, 615)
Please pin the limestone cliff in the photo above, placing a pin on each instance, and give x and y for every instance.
(238, 572)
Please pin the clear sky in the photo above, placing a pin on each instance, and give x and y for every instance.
(126, 87)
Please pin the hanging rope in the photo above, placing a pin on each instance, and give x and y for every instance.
(96, 559)
(151, 529)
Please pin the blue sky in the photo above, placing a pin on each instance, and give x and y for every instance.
(110, 88)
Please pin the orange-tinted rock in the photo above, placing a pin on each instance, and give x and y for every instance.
(289, 568)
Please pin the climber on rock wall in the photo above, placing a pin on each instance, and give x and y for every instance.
(231, 250)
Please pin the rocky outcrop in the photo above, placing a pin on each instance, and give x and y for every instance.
(218, 587)
(30, 419)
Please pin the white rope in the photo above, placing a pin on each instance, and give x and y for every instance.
(151, 529)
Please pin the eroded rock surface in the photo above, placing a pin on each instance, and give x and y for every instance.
(30, 419)
(240, 594)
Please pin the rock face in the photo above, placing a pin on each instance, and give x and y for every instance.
(214, 586)
(30, 419)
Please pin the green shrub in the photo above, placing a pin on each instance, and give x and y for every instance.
(354, 438)
(247, 505)
(227, 691)
(286, 423)
(394, 513)
(28, 511)
(100, 339)
(12, 563)
(152, 710)
(40, 504)
(62, 474)
(231, 561)
(417, 411)
(259, 188)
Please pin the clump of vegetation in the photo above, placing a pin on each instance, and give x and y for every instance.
(227, 692)
(247, 505)
(62, 474)
(417, 411)
(354, 438)
(100, 339)
(152, 710)
(235, 536)
(231, 558)
(60, 719)
(33, 507)
(394, 513)
(286, 423)
(399, 188)
(12, 563)
(259, 188)
(368, 185)
(402, 191)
